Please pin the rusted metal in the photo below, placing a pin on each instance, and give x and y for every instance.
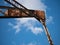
(16, 11)
(47, 33)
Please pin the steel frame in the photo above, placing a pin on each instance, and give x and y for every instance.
(29, 15)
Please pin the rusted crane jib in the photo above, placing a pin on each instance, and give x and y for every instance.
(16, 12)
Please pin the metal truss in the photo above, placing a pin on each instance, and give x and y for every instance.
(20, 7)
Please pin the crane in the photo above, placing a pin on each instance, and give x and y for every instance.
(20, 11)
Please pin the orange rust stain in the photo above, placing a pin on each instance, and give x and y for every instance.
(15, 12)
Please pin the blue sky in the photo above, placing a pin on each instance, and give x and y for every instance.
(29, 31)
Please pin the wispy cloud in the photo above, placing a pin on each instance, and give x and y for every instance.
(49, 20)
(36, 30)
(31, 43)
(30, 23)
(10, 24)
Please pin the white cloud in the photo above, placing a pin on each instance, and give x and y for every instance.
(36, 30)
(17, 28)
(33, 4)
(49, 20)
(31, 43)
(10, 24)
(24, 20)
(30, 23)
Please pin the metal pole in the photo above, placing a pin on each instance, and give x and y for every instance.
(47, 33)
